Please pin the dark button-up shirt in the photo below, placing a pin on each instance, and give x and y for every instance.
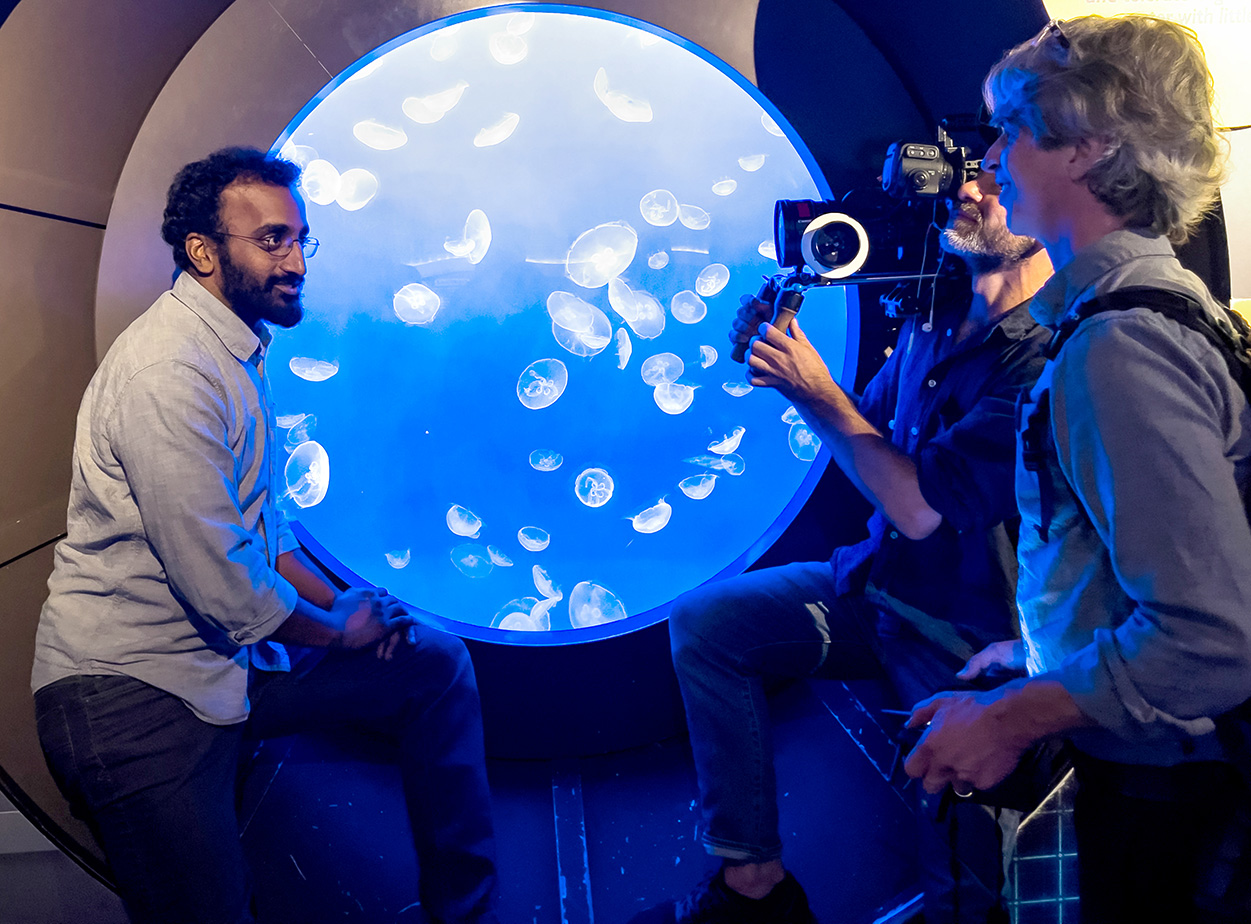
(951, 408)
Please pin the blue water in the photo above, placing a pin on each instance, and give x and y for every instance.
(433, 463)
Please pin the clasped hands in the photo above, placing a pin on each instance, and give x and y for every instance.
(370, 615)
(790, 364)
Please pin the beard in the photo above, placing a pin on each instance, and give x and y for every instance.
(256, 299)
(984, 249)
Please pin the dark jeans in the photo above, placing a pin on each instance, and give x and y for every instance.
(1162, 843)
(730, 637)
(157, 784)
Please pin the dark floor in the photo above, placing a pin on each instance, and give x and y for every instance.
(592, 839)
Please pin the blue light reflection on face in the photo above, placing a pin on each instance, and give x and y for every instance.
(432, 296)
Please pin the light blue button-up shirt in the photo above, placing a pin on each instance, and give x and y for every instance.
(167, 572)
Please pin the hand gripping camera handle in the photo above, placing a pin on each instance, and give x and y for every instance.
(768, 293)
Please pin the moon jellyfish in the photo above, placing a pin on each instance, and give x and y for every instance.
(463, 522)
(594, 487)
(287, 421)
(707, 355)
(660, 208)
(712, 279)
(804, 443)
(731, 464)
(475, 241)
(373, 134)
(791, 416)
(737, 389)
(546, 460)
(300, 154)
(649, 317)
(752, 162)
(541, 383)
(724, 187)
(697, 487)
(520, 23)
(508, 48)
(399, 558)
(472, 560)
(622, 300)
(313, 370)
(499, 558)
(624, 348)
(446, 43)
(658, 260)
(587, 342)
(570, 312)
(500, 131)
(694, 217)
(301, 431)
(673, 398)
(416, 303)
(533, 539)
(662, 369)
(688, 307)
(622, 105)
(543, 583)
(308, 474)
(653, 519)
(515, 614)
(593, 605)
(536, 620)
(771, 126)
(320, 182)
(426, 110)
(356, 188)
(768, 249)
(601, 253)
(729, 443)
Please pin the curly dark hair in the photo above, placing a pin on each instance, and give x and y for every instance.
(193, 205)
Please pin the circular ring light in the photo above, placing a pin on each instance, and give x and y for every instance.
(511, 400)
(818, 232)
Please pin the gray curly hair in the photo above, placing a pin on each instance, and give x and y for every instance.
(1137, 84)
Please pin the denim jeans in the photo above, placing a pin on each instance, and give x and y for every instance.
(157, 785)
(730, 637)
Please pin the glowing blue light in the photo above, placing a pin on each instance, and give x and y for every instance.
(496, 191)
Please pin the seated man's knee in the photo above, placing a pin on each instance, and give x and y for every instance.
(442, 660)
(694, 619)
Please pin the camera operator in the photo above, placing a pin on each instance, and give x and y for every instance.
(930, 444)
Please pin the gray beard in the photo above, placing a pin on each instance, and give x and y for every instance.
(984, 251)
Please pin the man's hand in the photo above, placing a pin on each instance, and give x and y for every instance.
(965, 744)
(751, 314)
(367, 616)
(1006, 657)
(790, 364)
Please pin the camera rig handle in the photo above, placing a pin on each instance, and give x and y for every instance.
(786, 303)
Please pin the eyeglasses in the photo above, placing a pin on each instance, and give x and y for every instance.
(1053, 28)
(279, 247)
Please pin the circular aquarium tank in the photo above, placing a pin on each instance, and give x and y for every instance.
(511, 401)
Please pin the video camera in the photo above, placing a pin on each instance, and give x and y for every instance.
(871, 236)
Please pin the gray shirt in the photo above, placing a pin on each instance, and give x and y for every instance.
(1139, 602)
(167, 572)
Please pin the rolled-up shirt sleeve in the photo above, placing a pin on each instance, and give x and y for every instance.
(170, 430)
(1141, 430)
(967, 472)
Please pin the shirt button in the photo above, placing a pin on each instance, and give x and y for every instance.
(932, 383)
(927, 327)
(894, 535)
(890, 424)
(914, 431)
(949, 332)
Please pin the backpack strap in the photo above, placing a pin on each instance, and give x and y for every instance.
(1235, 347)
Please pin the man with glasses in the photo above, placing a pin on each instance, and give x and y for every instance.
(179, 587)
(1133, 467)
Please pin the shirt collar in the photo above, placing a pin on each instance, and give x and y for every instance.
(1089, 265)
(236, 336)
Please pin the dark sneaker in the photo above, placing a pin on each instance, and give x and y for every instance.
(713, 902)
